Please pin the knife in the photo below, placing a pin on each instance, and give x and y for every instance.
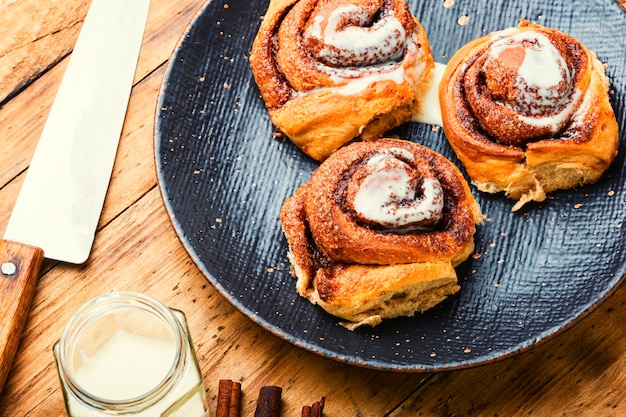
(59, 205)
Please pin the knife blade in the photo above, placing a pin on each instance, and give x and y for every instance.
(58, 208)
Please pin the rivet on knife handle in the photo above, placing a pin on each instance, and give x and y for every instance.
(19, 269)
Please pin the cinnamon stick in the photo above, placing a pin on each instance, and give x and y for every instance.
(269, 402)
(314, 410)
(228, 398)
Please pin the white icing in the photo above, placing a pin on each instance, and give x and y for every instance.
(345, 75)
(430, 110)
(356, 85)
(381, 42)
(366, 77)
(578, 118)
(315, 30)
(388, 196)
(542, 69)
(556, 120)
(351, 81)
(377, 49)
(542, 72)
(127, 366)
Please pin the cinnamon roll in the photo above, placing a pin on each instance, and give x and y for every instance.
(377, 231)
(527, 112)
(330, 71)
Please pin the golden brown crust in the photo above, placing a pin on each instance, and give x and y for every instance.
(367, 294)
(504, 141)
(322, 103)
(360, 268)
(340, 237)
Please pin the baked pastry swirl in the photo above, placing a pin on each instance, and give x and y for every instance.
(527, 112)
(378, 229)
(330, 71)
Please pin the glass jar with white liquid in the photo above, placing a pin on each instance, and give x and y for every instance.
(125, 353)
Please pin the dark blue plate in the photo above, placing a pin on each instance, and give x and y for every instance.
(224, 178)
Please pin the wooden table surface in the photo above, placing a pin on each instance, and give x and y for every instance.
(581, 372)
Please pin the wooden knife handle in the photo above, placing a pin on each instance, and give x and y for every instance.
(19, 269)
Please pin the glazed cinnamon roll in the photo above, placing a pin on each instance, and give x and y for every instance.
(330, 71)
(527, 112)
(378, 229)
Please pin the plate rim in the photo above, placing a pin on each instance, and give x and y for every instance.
(347, 358)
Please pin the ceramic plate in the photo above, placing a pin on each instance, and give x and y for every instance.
(224, 177)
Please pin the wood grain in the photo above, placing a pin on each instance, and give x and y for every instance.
(580, 373)
(18, 278)
(577, 374)
(36, 36)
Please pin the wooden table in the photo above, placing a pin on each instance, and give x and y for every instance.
(581, 372)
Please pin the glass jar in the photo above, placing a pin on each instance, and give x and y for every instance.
(125, 353)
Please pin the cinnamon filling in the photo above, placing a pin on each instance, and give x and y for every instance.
(388, 202)
(524, 86)
(316, 44)
(349, 36)
(390, 193)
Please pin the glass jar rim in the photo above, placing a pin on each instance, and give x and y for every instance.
(100, 307)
